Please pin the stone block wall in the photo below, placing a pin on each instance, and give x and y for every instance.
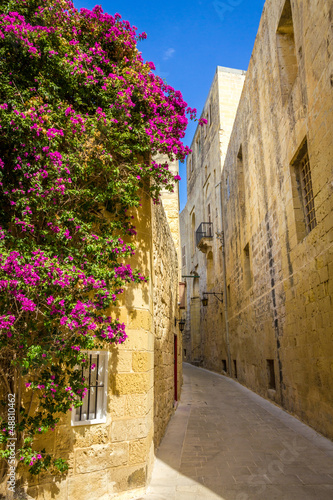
(114, 459)
(277, 310)
(166, 280)
(202, 336)
(278, 272)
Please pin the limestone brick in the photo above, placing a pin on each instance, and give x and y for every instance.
(94, 486)
(138, 450)
(129, 429)
(85, 435)
(128, 478)
(117, 406)
(124, 362)
(101, 457)
(142, 361)
(138, 404)
(131, 383)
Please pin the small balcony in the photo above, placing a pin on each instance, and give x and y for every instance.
(204, 236)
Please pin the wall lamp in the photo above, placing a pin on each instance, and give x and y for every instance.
(204, 299)
(181, 323)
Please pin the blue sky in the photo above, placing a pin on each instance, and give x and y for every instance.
(187, 39)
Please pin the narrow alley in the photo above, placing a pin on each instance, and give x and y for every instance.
(225, 442)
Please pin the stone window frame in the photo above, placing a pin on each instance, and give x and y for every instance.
(227, 186)
(302, 192)
(101, 408)
(286, 51)
(247, 268)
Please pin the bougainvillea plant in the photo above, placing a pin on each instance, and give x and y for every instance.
(81, 116)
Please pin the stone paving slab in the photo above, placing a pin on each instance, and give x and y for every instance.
(225, 442)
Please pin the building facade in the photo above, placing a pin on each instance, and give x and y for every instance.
(110, 446)
(275, 333)
(202, 267)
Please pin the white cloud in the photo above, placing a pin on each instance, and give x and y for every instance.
(168, 53)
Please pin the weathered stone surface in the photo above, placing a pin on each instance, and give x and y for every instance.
(138, 405)
(142, 361)
(131, 383)
(166, 275)
(138, 450)
(129, 429)
(203, 328)
(127, 478)
(122, 447)
(101, 457)
(89, 435)
(93, 486)
(278, 278)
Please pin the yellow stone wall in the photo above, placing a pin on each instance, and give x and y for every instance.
(279, 278)
(165, 312)
(166, 266)
(204, 165)
(114, 459)
(282, 311)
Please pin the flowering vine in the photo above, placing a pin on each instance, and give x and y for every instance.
(81, 118)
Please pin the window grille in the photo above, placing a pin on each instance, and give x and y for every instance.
(184, 256)
(93, 409)
(307, 192)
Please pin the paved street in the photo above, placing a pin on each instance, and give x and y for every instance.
(225, 442)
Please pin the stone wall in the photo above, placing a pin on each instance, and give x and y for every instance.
(279, 273)
(203, 324)
(114, 459)
(277, 311)
(166, 279)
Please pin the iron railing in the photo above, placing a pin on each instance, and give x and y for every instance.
(205, 230)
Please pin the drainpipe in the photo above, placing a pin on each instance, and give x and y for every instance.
(221, 237)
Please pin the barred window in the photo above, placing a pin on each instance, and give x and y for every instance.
(303, 198)
(93, 409)
(307, 192)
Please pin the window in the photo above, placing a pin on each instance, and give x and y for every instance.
(247, 268)
(93, 410)
(271, 374)
(224, 365)
(286, 52)
(307, 192)
(240, 176)
(303, 199)
(184, 256)
(210, 269)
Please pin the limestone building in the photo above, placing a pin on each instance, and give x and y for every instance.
(110, 446)
(274, 331)
(201, 218)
